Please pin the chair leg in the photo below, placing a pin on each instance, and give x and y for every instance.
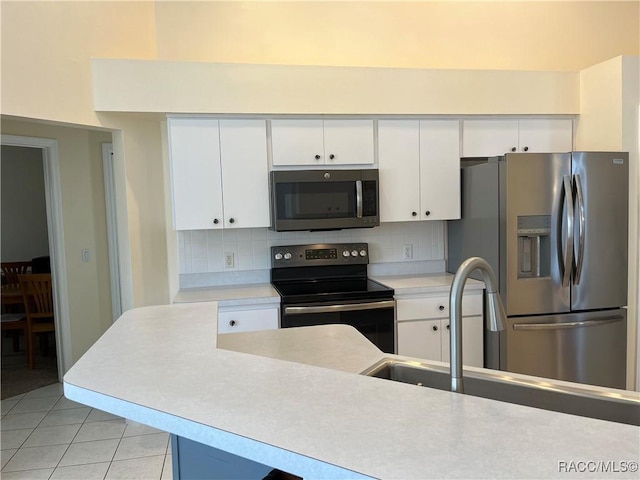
(30, 355)
(16, 340)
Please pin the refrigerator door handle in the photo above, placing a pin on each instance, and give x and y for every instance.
(581, 229)
(559, 326)
(567, 248)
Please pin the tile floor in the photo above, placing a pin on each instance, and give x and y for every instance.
(46, 436)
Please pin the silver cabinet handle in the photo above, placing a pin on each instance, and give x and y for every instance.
(359, 198)
(339, 308)
(568, 241)
(581, 229)
(559, 326)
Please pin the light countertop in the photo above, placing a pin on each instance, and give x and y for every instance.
(293, 399)
(261, 293)
(230, 295)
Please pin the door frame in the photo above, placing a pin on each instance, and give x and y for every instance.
(112, 229)
(55, 229)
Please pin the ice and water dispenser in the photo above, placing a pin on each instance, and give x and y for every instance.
(534, 246)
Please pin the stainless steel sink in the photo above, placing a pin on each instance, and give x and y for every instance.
(577, 399)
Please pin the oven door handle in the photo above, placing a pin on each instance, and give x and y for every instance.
(339, 308)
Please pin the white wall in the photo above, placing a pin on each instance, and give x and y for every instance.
(610, 104)
(24, 211)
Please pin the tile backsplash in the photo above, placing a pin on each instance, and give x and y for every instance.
(229, 253)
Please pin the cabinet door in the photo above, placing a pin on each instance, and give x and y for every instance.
(543, 136)
(348, 142)
(230, 321)
(487, 138)
(472, 341)
(194, 148)
(420, 339)
(439, 169)
(297, 142)
(245, 173)
(398, 164)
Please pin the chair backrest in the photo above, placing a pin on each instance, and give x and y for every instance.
(11, 270)
(37, 294)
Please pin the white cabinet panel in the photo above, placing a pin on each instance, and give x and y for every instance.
(423, 328)
(486, 138)
(215, 164)
(419, 163)
(420, 339)
(194, 147)
(439, 169)
(472, 351)
(543, 136)
(348, 142)
(322, 142)
(245, 173)
(398, 163)
(235, 321)
(297, 142)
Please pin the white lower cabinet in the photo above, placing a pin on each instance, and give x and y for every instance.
(423, 328)
(236, 319)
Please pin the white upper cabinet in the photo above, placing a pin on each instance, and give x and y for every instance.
(485, 138)
(215, 165)
(439, 169)
(419, 163)
(196, 179)
(245, 173)
(398, 165)
(322, 142)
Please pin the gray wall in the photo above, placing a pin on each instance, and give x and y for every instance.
(24, 215)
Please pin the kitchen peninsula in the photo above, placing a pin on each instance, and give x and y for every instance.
(292, 399)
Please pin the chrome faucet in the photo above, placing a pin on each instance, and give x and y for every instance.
(496, 316)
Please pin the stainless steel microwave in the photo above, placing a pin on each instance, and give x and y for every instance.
(324, 199)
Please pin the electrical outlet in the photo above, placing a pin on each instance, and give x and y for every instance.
(86, 255)
(229, 260)
(407, 252)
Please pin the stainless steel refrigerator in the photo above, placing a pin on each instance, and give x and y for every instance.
(554, 228)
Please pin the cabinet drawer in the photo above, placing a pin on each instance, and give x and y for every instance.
(247, 320)
(435, 307)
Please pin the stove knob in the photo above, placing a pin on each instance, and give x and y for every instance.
(354, 253)
(345, 253)
(363, 253)
(278, 256)
(287, 256)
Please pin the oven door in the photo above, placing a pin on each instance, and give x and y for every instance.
(373, 319)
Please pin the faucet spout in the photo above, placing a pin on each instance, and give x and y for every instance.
(496, 316)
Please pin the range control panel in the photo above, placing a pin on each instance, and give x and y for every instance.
(320, 254)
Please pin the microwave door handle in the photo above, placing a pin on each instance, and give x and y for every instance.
(359, 198)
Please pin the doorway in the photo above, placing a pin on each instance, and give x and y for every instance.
(43, 157)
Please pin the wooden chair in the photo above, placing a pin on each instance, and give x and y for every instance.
(15, 323)
(11, 293)
(11, 270)
(38, 301)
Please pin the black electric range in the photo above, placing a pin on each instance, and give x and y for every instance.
(322, 284)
